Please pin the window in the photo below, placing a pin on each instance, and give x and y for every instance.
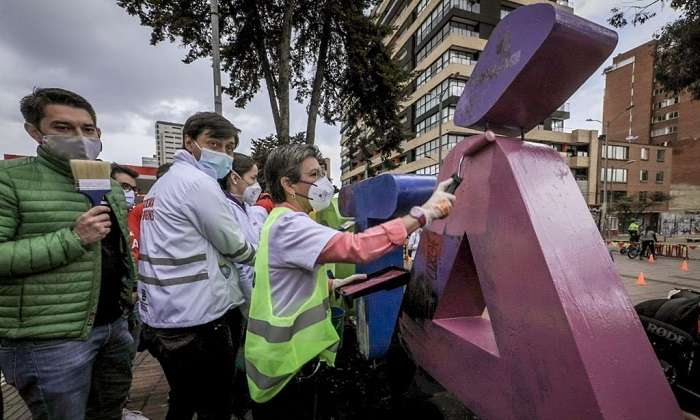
(432, 121)
(429, 149)
(580, 174)
(644, 155)
(665, 117)
(448, 57)
(402, 55)
(659, 177)
(614, 175)
(421, 6)
(663, 131)
(666, 102)
(429, 170)
(643, 196)
(448, 87)
(577, 151)
(439, 12)
(659, 91)
(660, 155)
(558, 125)
(643, 175)
(451, 27)
(505, 10)
(616, 152)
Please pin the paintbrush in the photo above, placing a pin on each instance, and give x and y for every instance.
(92, 178)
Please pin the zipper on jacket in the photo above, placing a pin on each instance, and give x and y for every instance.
(21, 302)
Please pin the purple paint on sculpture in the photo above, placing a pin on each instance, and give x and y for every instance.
(535, 60)
(561, 339)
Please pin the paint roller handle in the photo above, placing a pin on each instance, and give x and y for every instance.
(456, 180)
(475, 147)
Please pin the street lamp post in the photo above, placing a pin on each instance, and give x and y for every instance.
(604, 208)
(442, 96)
(215, 55)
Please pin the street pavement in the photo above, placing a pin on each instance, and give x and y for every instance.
(149, 391)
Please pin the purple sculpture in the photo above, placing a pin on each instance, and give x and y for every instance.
(560, 339)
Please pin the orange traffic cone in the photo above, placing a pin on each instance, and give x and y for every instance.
(651, 259)
(684, 265)
(640, 280)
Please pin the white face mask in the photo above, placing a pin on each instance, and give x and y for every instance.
(251, 194)
(73, 147)
(321, 193)
(130, 198)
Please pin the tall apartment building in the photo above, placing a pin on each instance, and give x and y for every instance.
(168, 140)
(441, 41)
(665, 124)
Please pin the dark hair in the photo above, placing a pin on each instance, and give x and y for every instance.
(32, 106)
(119, 169)
(162, 169)
(286, 161)
(241, 164)
(218, 127)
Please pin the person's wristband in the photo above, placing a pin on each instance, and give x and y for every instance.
(419, 214)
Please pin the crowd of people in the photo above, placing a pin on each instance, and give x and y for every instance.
(226, 272)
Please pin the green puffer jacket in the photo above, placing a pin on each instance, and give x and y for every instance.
(49, 281)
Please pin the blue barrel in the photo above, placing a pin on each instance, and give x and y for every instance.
(370, 203)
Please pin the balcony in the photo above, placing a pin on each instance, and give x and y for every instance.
(579, 161)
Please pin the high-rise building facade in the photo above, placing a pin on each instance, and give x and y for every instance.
(640, 114)
(168, 140)
(440, 40)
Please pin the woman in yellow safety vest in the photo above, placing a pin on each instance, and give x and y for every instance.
(289, 322)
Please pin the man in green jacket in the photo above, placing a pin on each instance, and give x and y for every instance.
(65, 271)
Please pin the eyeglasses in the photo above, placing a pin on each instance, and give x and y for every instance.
(316, 174)
(129, 187)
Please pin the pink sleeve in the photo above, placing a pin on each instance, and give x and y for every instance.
(361, 248)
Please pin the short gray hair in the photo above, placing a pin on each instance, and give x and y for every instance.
(286, 161)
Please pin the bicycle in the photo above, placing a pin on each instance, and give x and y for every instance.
(632, 250)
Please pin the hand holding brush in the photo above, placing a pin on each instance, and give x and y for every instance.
(93, 225)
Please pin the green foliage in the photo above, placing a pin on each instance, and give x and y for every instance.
(330, 52)
(677, 65)
(628, 209)
(261, 148)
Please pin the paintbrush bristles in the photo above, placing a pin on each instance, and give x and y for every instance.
(90, 169)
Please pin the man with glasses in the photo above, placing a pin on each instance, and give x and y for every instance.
(65, 271)
(126, 177)
(188, 287)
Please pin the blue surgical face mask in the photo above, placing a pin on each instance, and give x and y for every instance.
(219, 163)
(130, 198)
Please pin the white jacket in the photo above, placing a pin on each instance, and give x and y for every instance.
(251, 220)
(189, 244)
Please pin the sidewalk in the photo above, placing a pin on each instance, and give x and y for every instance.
(149, 390)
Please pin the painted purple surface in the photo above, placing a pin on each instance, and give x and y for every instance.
(561, 339)
(535, 60)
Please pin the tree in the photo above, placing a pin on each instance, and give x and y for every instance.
(628, 209)
(330, 52)
(262, 147)
(677, 64)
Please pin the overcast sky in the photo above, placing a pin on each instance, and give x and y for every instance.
(94, 48)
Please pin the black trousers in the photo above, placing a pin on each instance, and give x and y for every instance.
(298, 400)
(650, 246)
(199, 364)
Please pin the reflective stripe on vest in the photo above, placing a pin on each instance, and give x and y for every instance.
(276, 348)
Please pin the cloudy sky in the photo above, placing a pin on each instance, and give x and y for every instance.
(94, 48)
